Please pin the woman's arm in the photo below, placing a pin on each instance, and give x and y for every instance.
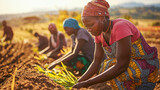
(78, 47)
(44, 50)
(10, 34)
(95, 64)
(123, 58)
(4, 33)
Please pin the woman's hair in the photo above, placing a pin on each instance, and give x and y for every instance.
(36, 34)
(106, 17)
(4, 22)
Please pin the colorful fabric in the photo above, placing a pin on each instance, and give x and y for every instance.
(146, 86)
(70, 22)
(142, 70)
(80, 63)
(122, 28)
(96, 8)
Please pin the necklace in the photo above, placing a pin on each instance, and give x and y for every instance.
(108, 26)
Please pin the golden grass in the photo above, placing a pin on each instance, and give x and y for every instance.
(13, 80)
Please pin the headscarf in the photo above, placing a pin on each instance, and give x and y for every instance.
(96, 8)
(70, 22)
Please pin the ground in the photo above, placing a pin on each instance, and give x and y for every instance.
(21, 56)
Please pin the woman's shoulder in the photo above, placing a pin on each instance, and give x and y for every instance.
(84, 34)
(60, 34)
(120, 21)
(82, 31)
(121, 24)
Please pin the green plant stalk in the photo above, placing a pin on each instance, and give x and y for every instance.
(66, 79)
(67, 72)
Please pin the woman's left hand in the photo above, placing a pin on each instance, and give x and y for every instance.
(81, 85)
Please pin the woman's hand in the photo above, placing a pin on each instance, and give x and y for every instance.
(81, 85)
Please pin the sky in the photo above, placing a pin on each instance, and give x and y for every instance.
(24, 6)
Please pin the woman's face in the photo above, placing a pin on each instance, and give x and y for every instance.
(69, 30)
(52, 29)
(94, 25)
(4, 23)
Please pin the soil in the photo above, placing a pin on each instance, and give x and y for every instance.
(21, 56)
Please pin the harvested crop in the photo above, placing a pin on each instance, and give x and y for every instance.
(59, 75)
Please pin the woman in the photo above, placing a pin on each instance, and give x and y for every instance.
(131, 64)
(8, 32)
(56, 43)
(82, 42)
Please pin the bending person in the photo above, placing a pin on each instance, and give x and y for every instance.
(56, 43)
(85, 45)
(42, 41)
(8, 32)
(132, 64)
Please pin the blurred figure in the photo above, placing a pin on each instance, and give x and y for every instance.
(42, 41)
(8, 32)
(56, 42)
(83, 46)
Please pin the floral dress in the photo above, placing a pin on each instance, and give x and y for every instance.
(143, 67)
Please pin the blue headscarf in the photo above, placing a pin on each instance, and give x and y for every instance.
(70, 22)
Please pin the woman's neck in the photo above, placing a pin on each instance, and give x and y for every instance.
(107, 33)
(76, 31)
(107, 26)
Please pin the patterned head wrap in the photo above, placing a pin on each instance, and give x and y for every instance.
(96, 8)
(70, 22)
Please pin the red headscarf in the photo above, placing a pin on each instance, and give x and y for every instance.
(96, 8)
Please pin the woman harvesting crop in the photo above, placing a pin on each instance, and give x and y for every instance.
(131, 64)
(82, 42)
(56, 42)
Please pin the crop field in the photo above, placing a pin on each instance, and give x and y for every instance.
(17, 59)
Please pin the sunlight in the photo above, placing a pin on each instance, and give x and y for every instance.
(24, 6)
